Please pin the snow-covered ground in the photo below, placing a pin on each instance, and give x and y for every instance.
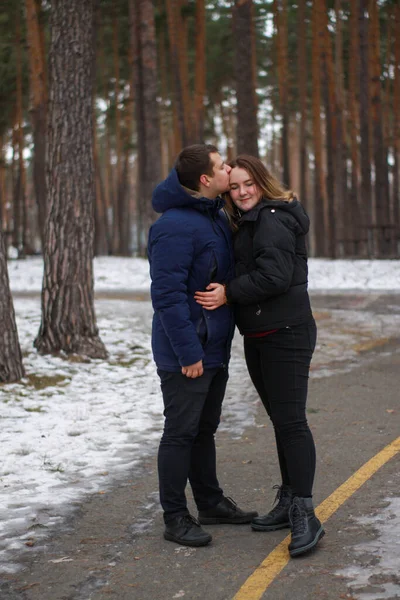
(71, 427)
(133, 274)
(379, 578)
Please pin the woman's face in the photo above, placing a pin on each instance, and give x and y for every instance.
(244, 192)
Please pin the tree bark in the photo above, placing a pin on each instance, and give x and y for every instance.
(357, 213)
(331, 110)
(3, 192)
(38, 93)
(19, 190)
(382, 202)
(68, 316)
(247, 125)
(181, 135)
(320, 199)
(11, 367)
(366, 194)
(22, 200)
(143, 40)
(184, 70)
(200, 75)
(396, 114)
(283, 75)
(118, 167)
(302, 84)
(343, 226)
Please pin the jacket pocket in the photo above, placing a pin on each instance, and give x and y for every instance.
(202, 329)
(213, 269)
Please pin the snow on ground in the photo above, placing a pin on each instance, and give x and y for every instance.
(378, 578)
(71, 427)
(133, 274)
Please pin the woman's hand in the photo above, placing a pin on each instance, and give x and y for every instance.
(212, 299)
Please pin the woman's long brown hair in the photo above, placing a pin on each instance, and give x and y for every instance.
(270, 187)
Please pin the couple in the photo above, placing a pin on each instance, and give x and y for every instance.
(215, 263)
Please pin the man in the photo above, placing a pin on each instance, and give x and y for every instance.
(189, 247)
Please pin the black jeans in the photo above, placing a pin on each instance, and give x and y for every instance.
(279, 365)
(187, 448)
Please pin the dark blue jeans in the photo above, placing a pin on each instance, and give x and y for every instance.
(192, 410)
(279, 365)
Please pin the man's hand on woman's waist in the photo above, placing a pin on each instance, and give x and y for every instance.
(213, 298)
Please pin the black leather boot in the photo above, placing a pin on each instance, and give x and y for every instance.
(186, 530)
(226, 511)
(278, 517)
(306, 528)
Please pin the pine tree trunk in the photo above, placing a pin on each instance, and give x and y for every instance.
(118, 166)
(108, 177)
(137, 76)
(143, 40)
(3, 189)
(103, 167)
(302, 85)
(124, 204)
(166, 129)
(100, 219)
(21, 199)
(343, 226)
(366, 194)
(19, 192)
(247, 124)
(228, 128)
(182, 41)
(38, 107)
(11, 367)
(331, 131)
(320, 199)
(200, 76)
(68, 316)
(283, 73)
(357, 212)
(396, 115)
(181, 135)
(382, 202)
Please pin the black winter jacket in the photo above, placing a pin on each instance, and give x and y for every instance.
(270, 287)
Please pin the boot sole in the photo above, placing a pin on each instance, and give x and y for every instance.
(195, 544)
(320, 534)
(222, 521)
(256, 527)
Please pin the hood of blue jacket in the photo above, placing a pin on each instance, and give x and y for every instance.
(170, 194)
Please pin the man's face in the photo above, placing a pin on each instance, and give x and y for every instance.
(219, 182)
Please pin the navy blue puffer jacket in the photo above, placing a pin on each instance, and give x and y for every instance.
(189, 247)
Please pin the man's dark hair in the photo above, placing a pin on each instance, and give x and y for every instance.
(193, 162)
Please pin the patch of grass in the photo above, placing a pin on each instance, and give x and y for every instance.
(37, 526)
(313, 410)
(23, 451)
(40, 382)
(52, 467)
(34, 409)
(76, 358)
(132, 361)
(138, 349)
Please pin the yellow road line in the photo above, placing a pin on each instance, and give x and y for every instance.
(255, 586)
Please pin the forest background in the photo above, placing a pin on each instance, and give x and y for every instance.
(312, 87)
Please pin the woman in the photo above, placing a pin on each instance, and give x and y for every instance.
(273, 313)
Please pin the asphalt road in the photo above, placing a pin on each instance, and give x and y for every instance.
(112, 545)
